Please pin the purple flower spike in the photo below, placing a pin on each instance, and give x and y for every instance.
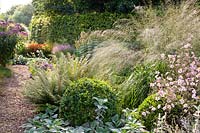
(61, 48)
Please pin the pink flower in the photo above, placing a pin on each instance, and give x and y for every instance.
(161, 93)
(180, 70)
(180, 82)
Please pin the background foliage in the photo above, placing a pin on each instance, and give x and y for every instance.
(67, 28)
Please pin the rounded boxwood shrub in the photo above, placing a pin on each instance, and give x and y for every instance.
(151, 117)
(77, 104)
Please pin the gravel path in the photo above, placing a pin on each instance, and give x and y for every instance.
(14, 109)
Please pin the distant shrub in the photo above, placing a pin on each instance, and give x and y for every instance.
(137, 86)
(64, 48)
(33, 48)
(77, 102)
(10, 33)
(57, 27)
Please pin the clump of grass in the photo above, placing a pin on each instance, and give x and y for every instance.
(5, 72)
(111, 56)
(166, 33)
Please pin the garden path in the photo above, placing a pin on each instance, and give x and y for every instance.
(14, 108)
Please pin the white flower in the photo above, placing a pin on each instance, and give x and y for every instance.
(180, 70)
(159, 106)
(147, 112)
(152, 84)
(167, 84)
(169, 78)
(194, 91)
(185, 105)
(157, 72)
(194, 96)
(169, 107)
(169, 101)
(144, 113)
(182, 101)
(162, 56)
(159, 84)
(171, 66)
(153, 109)
(157, 98)
(192, 84)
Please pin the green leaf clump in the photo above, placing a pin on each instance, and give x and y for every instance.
(77, 102)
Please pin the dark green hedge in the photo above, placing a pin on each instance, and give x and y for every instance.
(85, 6)
(57, 28)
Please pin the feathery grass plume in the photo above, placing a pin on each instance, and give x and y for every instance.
(168, 32)
(48, 86)
(111, 56)
(142, 38)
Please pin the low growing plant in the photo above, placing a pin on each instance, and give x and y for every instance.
(49, 122)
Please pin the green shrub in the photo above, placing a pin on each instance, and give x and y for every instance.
(7, 48)
(77, 102)
(10, 33)
(137, 86)
(146, 114)
(68, 27)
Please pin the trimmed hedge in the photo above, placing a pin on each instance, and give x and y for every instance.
(57, 28)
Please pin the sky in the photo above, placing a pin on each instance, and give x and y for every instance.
(7, 4)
